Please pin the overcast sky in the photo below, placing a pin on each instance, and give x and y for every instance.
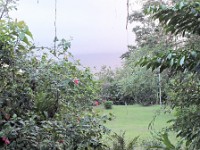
(97, 27)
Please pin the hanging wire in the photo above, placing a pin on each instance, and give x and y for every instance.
(127, 21)
(127, 39)
(127, 14)
(55, 26)
(55, 48)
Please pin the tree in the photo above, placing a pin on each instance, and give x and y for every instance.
(109, 88)
(181, 20)
(137, 83)
(6, 6)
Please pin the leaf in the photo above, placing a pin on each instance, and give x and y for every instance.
(179, 19)
(21, 24)
(29, 33)
(45, 114)
(21, 36)
(167, 142)
(169, 56)
(148, 66)
(181, 5)
(172, 62)
(182, 60)
(133, 143)
(194, 54)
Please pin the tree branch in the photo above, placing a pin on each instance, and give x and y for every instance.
(4, 9)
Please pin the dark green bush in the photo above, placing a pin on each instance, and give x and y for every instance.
(42, 103)
(108, 104)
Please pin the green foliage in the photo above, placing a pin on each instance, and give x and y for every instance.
(70, 132)
(183, 62)
(162, 142)
(119, 142)
(178, 19)
(46, 103)
(180, 60)
(6, 6)
(138, 85)
(148, 34)
(15, 88)
(108, 104)
(184, 98)
(109, 90)
(131, 84)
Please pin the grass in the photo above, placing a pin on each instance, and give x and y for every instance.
(134, 120)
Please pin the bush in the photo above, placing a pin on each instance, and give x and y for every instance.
(108, 104)
(119, 142)
(53, 97)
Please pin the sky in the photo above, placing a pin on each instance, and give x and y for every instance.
(97, 28)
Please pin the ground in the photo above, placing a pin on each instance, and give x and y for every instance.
(135, 119)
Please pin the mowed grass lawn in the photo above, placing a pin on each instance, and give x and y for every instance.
(134, 120)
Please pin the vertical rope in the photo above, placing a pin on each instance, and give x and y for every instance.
(127, 14)
(127, 38)
(55, 25)
(127, 35)
(55, 48)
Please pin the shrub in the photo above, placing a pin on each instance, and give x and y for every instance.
(45, 103)
(108, 104)
(119, 142)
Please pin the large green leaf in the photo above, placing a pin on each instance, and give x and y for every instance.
(184, 16)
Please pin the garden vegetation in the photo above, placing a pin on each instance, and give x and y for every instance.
(46, 101)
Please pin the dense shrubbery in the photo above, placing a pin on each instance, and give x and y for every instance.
(134, 84)
(183, 62)
(108, 104)
(125, 87)
(45, 103)
(178, 53)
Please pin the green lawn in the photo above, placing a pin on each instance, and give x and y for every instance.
(134, 120)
